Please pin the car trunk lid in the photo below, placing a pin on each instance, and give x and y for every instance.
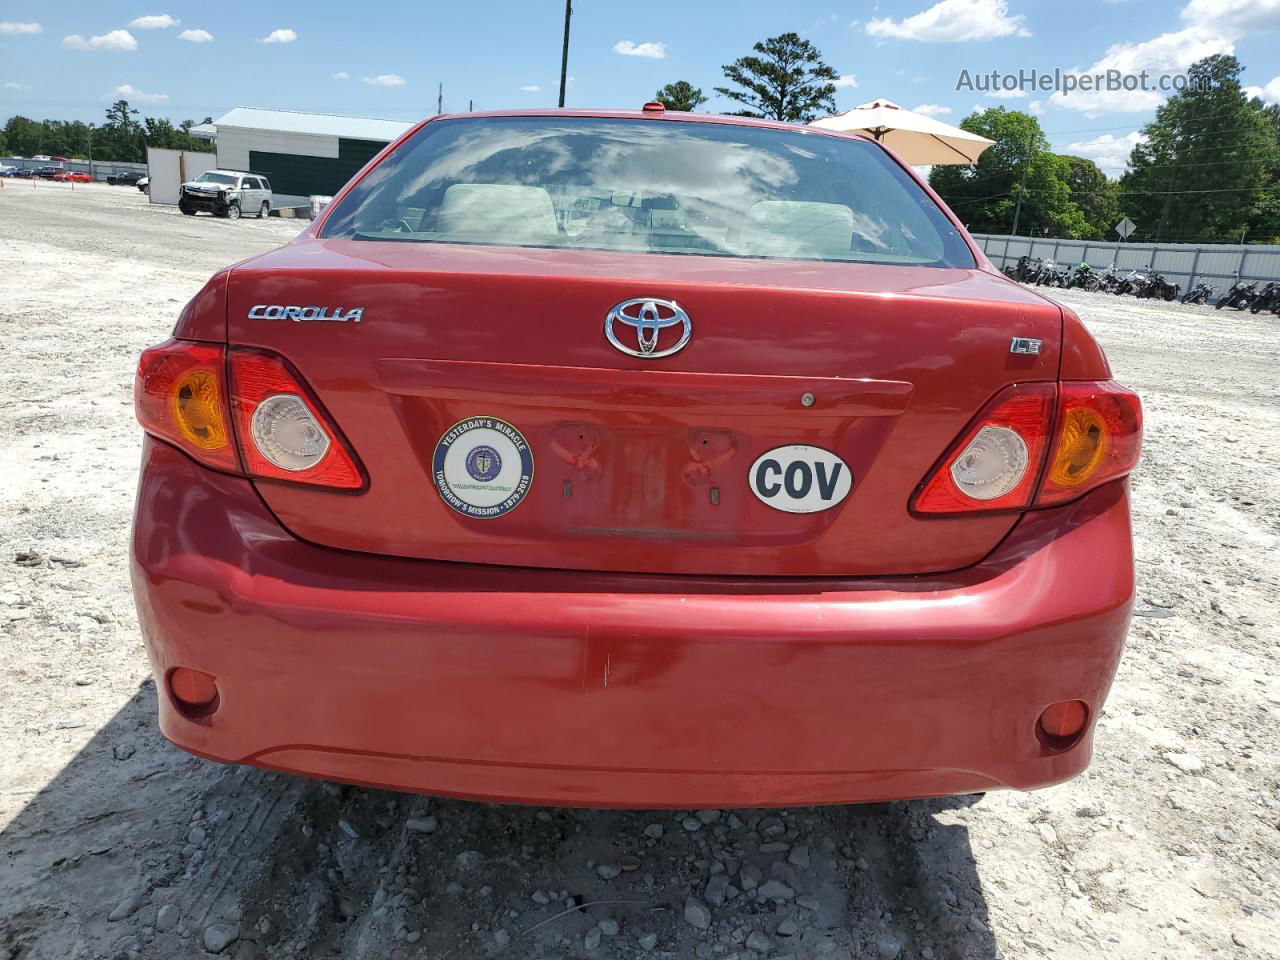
(498, 423)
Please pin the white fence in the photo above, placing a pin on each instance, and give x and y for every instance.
(1183, 263)
(169, 169)
(98, 169)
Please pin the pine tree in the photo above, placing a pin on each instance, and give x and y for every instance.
(787, 81)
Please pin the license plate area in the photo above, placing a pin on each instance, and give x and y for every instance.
(648, 454)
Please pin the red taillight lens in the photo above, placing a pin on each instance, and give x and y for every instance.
(178, 395)
(1096, 434)
(1099, 438)
(995, 463)
(284, 433)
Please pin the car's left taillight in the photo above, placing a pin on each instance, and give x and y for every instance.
(242, 411)
(180, 396)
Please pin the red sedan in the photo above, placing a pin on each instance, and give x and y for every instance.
(635, 459)
(72, 176)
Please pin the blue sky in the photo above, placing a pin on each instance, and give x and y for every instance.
(192, 59)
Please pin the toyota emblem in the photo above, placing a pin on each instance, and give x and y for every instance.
(648, 320)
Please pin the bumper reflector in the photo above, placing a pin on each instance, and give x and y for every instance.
(195, 692)
(1063, 720)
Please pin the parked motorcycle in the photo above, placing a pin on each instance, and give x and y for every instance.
(1043, 273)
(1083, 277)
(1268, 299)
(1108, 280)
(1199, 294)
(1134, 281)
(1240, 295)
(1157, 287)
(1020, 269)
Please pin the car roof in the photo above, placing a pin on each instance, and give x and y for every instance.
(665, 116)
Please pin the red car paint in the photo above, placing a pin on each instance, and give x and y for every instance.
(626, 636)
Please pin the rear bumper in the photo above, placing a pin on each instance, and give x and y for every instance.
(585, 689)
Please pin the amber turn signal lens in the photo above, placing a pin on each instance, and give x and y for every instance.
(192, 688)
(197, 409)
(1065, 719)
(1081, 447)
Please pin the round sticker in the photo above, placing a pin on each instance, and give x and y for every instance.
(800, 479)
(483, 467)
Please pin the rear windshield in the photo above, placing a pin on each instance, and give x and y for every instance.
(643, 185)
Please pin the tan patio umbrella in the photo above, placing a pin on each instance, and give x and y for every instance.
(913, 136)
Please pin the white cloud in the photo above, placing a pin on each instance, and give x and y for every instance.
(384, 80)
(657, 51)
(1035, 108)
(341, 75)
(1017, 93)
(9, 27)
(1268, 94)
(117, 40)
(1109, 152)
(282, 35)
(161, 21)
(130, 92)
(952, 21)
(14, 85)
(196, 36)
(1169, 53)
(846, 80)
(931, 109)
(531, 88)
(1235, 17)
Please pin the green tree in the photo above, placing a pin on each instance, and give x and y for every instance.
(122, 136)
(1018, 166)
(1264, 217)
(1209, 159)
(1095, 195)
(787, 81)
(681, 95)
(24, 136)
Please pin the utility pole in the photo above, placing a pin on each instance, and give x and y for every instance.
(440, 98)
(1022, 187)
(564, 54)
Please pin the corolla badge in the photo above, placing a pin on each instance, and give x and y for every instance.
(275, 311)
(648, 320)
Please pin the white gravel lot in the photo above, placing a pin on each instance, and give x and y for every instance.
(114, 844)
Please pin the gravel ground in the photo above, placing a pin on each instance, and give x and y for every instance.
(114, 844)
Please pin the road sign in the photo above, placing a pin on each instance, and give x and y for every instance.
(1125, 227)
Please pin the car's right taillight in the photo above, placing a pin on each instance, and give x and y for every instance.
(1098, 438)
(1070, 437)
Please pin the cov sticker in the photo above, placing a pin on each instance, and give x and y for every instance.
(483, 467)
(800, 479)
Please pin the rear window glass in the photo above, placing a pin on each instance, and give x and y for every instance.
(644, 185)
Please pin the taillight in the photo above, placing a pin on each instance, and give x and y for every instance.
(283, 432)
(1096, 434)
(994, 464)
(1099, 438)
(178, 396)
(280, 430)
